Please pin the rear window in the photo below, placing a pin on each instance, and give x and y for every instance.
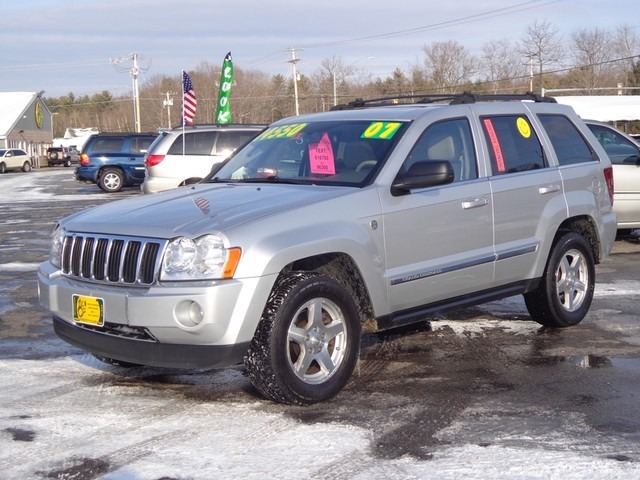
(513, 144)
(567, 141)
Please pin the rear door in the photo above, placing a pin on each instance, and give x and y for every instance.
(527, 191)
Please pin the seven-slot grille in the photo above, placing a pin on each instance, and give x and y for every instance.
(111, 259)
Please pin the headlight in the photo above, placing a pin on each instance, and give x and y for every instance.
(205, 257)
(57, 243)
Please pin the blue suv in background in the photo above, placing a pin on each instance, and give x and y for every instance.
(114, 160)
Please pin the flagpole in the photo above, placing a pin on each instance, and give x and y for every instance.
(183, 135)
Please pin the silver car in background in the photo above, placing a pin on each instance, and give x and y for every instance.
(624, 152)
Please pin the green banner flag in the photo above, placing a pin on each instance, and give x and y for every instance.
(223, 114)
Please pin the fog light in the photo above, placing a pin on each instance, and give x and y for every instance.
(189, 314)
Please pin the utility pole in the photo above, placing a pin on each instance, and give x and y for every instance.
(293, 62)
(134, 71)
(168, 103)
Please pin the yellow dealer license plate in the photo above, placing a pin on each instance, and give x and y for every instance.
(89, 310)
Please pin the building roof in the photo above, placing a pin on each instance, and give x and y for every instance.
(12, 106)
(605, 108)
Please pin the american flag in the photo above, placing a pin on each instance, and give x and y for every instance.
(189, 101)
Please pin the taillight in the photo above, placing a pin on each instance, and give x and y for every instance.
(608, 176)
(84, 159)
(153, 160)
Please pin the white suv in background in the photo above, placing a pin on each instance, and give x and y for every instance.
(183, 156)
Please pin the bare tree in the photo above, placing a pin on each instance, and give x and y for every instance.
(541, 46)
(449, 65)
(502, 66)
(625, 45)
(592, 53)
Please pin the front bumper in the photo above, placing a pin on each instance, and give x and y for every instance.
(151, 353)
(152, 325)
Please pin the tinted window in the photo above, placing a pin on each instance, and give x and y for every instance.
(569, 144)
(513, 144)
(619, 148)
(195, 143)
(229, 141)
(451, 141)
(140, 144)
(108, 145)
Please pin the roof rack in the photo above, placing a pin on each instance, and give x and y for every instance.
(451, 98)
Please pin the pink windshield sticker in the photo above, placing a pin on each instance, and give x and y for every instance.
(321, 157)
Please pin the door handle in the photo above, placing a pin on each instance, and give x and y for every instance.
(476, 202)
(548, 189)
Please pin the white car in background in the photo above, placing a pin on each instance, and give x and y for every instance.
(624, 153)
(14, 159)
(185, 156)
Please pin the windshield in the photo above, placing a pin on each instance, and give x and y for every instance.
(332, 153)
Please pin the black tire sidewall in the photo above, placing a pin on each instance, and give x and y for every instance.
(559, 315)
(294, 294)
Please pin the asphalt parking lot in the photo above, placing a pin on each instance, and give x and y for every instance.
(478, 393)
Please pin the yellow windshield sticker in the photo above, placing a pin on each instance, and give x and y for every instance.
(523, 127)
(283, 131)
(381, 130)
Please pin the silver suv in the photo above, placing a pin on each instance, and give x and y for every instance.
(368, 217)
(184, 156)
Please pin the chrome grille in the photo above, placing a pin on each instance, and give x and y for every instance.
(111, 259)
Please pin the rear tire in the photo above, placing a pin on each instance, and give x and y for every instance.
(307, 342)
(564, 295)
(26, 167)
(111, 180)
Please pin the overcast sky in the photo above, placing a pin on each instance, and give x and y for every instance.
(85, 46)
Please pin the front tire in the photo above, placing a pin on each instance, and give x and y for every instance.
(111, 180)
(307, 342)
(564, 295)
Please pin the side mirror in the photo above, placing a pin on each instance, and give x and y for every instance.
(423, 175)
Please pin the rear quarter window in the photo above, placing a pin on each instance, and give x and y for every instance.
(229, 141)
(569, 144)
(108, 145)
(195, 143)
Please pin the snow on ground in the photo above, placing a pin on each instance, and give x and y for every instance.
(79, 413)
(62, 413)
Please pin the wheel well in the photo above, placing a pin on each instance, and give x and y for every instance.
(109, 167)
(585, 227)
(342, 268)
(190, 181)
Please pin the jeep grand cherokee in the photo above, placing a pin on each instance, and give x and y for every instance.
(371, 216)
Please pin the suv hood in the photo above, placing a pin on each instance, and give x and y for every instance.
(196, 209)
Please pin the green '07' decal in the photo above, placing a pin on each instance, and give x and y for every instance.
(383, 130)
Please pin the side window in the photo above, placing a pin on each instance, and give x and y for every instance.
(196, 143)
(229, 141)
(140, 144)
(449, 140)
(513, 145)
(569, 144)
(620, 149)
(108, 145)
